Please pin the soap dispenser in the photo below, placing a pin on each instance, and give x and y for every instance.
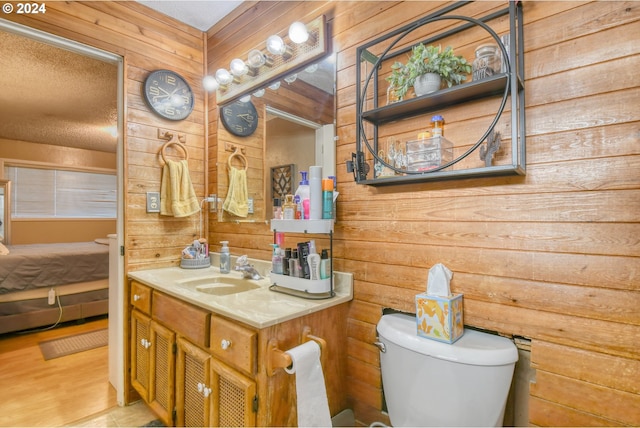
(225, 258)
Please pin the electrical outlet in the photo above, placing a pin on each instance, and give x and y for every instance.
(52, 297)
(250, 203)
(153, 202)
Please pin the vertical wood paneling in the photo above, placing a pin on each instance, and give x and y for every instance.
(552, 256)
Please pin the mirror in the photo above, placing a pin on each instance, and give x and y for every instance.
(5, 211)
(296, 129)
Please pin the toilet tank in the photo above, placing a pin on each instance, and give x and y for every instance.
(431, 383)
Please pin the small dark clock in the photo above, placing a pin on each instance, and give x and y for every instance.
(168, 94)
(240, 118)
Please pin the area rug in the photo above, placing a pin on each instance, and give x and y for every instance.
(68, 345)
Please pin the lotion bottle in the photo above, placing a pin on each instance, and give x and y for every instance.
(303, 193)
(276, 260)
(313, 259)
(225, 258)
(325, 265)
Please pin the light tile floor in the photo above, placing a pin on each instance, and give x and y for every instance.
(135, 415)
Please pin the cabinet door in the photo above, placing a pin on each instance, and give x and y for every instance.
(193, 386)
(140, 359)
(162, 372)
(233, 397)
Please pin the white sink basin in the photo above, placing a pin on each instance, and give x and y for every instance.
(221, 285)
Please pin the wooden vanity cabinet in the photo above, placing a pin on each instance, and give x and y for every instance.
(195, 368)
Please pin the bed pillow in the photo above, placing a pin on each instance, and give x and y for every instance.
(3, 250)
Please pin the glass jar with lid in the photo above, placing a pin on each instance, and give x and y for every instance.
(487, 62)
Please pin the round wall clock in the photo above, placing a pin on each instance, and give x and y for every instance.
(168, 94)
(239, 118)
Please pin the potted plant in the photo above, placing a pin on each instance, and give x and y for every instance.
(431, 62)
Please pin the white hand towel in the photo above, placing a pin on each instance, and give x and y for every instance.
(313, 405)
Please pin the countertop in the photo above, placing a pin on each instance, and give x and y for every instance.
(259, 308)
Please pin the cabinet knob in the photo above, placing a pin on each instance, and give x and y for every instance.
(200, 386)
(225, 344)
(136, 297)
(145, 343)
(206, 392)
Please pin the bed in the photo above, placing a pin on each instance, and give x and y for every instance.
(77, 271)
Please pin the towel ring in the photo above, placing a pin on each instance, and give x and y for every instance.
(240, 156)
(179, 145)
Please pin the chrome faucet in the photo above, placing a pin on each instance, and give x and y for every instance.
(248, 271)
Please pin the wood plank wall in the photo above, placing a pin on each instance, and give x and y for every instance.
(147, 41)
(552, 256)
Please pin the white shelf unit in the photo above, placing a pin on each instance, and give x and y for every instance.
(301, 287)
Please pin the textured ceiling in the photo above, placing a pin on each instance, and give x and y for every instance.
(54, 96)
(199, 14)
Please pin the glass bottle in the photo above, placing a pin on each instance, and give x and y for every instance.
(487, 62)
(277, 209)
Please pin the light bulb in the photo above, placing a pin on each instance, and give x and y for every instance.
(291, 78)
(276, 45)
(210, 83)
(245, 99)
(238, 67)
(223, 77)
(256, 59)
(275, 86)
(298, 32)
(312, 68)
(258, 93)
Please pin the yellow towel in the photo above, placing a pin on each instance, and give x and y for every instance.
(237, 200)
(177, 197)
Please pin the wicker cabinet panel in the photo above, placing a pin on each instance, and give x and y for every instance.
(162, 372)
(140, 359)
(193, 385)
(141, 297)
(233, 397)
(233, 344)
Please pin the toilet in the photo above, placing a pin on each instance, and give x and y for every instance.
(430, 383)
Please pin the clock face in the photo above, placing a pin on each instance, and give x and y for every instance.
(240, 118)
(168, 94)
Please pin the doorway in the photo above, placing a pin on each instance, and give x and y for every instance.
(69, 108)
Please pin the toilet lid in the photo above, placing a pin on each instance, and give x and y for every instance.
(474, 347)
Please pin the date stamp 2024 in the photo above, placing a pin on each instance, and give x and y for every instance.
(32, 8)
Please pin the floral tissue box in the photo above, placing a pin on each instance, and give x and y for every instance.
(440, 318)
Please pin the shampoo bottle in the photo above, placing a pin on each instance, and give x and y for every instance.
(313, 259)
(303, 193)
(225, 258)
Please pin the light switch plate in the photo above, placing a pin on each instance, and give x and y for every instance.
(153, 202)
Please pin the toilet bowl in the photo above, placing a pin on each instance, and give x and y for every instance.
(430, 383)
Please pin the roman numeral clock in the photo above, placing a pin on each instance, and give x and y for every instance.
(168, 94)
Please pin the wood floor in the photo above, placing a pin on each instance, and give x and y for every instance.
(57, 392)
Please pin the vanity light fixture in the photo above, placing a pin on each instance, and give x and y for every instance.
(275, 86)
(285, 53)
(259, 93)
(291, 78)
